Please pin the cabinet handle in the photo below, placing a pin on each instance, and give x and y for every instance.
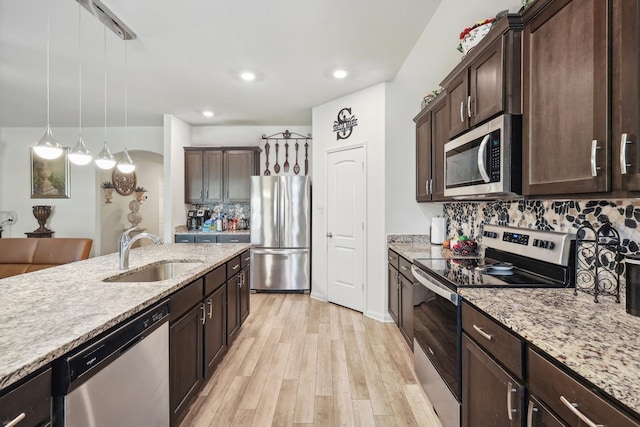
(16, 420)
(210, 304)
(402, 267)
(234, 241)
(426, 186)
(391, 258)
(594, 165)
(235, 267)
(483, 333)
(431, 186)
(204, 318)
(623, 154)
(573, 407)
(462, 111)
(248, 259)
(510, 391)
(469, 105)
(530, 412)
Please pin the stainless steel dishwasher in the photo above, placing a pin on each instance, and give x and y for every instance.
(120, 380)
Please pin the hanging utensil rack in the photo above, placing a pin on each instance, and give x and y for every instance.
(288, 136)
(598, 261)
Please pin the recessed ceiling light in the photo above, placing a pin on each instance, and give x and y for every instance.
(248, 76)
(207, 113)
(340, 74)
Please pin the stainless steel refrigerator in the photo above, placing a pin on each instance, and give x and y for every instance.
(280, 233)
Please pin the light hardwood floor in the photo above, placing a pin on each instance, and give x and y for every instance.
(301, 362)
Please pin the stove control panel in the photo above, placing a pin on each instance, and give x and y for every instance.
(517, 238)
(549, 246)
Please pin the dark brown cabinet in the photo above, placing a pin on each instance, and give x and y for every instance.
(538, 415)
(215, 329)
(28, 404)
(393, 286)
(490, 395)
(400, 294)
(566, 146)
(493, 389)
(431, 135)
(219, 175)
(233, 298)
(487, 80)
(245, 291)
(575, 403)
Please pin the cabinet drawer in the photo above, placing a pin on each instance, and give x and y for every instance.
(245, 259)
(184, 299)
(234, 238)
(214, 279)
(205, 238)
(502, 344)
(393, 258)
(405, 269)
(551, 384)
(33, 399)
(184, 238)
(233, 266)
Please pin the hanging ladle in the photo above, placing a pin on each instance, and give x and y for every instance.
(276, 167)
(266, 151)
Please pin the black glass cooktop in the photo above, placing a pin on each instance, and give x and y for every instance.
(468, 272)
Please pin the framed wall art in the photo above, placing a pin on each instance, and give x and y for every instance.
(50, 178)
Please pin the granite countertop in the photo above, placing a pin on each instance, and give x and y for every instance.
(410, 251)
(597, 341)
(47, 313)
(182, 229)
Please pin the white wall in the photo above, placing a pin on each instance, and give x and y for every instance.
(431, 59)
(177, 134)
(368, 106)
(78, 215)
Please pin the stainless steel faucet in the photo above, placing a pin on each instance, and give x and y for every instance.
(126, 242)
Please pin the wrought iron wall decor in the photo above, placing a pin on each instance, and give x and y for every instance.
(286, 136)
(598, 259)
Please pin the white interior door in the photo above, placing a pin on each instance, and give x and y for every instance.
(345, 227)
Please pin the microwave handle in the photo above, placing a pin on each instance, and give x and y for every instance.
(481, 156)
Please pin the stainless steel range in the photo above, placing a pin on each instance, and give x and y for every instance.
(513, 257)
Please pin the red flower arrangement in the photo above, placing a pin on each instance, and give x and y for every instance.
(476, 25)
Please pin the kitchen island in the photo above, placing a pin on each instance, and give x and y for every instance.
(50, 312)
(598, 342)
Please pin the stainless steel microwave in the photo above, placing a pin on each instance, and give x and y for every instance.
(485, 162)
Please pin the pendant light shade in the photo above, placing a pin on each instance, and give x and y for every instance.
(47, 147)
(104, 159)
(79, 154)
(126, 165)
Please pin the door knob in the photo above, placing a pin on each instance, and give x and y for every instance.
(329, 234)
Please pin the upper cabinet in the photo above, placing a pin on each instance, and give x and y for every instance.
(566, 146)
(487, 80)
(432, 131)
(219, 175)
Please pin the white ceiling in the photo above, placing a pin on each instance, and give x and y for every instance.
(188, 55)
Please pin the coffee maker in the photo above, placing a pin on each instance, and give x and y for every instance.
(196, 218)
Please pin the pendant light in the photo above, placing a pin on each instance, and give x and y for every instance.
(104, 159)
(79, 154)
(47, 147)
(125, 165)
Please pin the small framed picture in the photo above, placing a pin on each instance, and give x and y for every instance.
(50, 178)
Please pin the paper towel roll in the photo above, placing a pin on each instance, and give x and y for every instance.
(438, 230)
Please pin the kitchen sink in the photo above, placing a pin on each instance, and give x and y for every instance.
(156, 272)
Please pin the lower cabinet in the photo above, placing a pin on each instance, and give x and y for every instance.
(400, 294)
(205, 316)
(490, 396)
(539, 415)
(29, 404)
(245, 281)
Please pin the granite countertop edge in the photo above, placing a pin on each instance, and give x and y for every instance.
(183, 230)
(50, 312)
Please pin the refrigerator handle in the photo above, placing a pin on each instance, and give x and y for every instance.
(277, 203)
(281, 252)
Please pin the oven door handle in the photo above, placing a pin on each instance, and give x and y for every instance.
(434, 287)
(482, 153)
